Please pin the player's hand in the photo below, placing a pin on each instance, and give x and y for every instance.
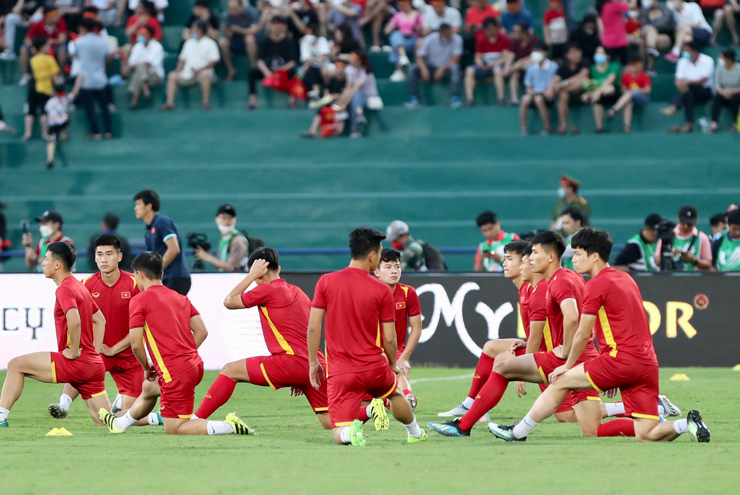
(27, 239)
(151, 375)
(517, 346)
(295, 392)
(71, 354)
(395, 368)
(556, 373)
(520, 390)
(558, 351)
(611, 393)
(259, 268)
(106, 351)
(404, 366)
(315, 371)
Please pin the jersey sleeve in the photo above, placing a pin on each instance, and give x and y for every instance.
(387, 306)
(593, 298)
(136, 313)
(66, 299)
(166, 229)
(561, 290)
(413, 307)
(319, 299)
(538, 305)
(193, 310)
(257, 296)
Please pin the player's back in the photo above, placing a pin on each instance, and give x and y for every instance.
(113, 302)
(72, 295)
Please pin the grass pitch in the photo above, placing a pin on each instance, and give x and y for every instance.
(292, 454)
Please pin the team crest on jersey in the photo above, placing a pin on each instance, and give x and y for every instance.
(400, 305)
(154, 230)
(125, 295)
(521, 299)
(96, 294)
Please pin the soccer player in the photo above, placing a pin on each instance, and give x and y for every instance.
(627, 360)
(80, 326)
(284, 311)
(173, 330)
(354, 301)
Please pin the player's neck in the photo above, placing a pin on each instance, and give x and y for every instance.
(111, 278)
(361, 264)
(393, 287)
(551, 269)
(147, 218)
(518, 282)
(536, 278)
(60, 276)
(597, 268)
(146, 283)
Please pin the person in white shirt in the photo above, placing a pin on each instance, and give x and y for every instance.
(195, 65)
(315, 55)
(146, 62)
(106, 10)
(437, 13)
(690, 26)
(694, 81)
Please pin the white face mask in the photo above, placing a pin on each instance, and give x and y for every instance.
(225, 229)
(646, 4)
(537, 57)
(45, 230)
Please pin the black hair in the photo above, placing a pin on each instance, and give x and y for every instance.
(60, 88)
(730, 54)
(486, 217)
(150, 264)
(572, 46)
(108, 240)
(148, 197)
(149, 7)
(389, 254)
(523, 25)
(348, 44)
(717, 219)
(87, 24)
(577, 215)
(593, 241)
(527, 249)
(489, 21)
(201, 26)
(516, 247)
(38, 42)
(202, 3)
(363, 241)
(50, 8)
(265, 253)
(64, 252)
(92, 9)
(551, 241)
(693, 45)
(111, 220)
(733, 217)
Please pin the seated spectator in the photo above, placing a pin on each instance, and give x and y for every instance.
(569, 80)
(301, 14)
(438, 13)
(694, 74)
(726, 88)
(347, 13)
(515, 14)
(51, 27)
(587, 37)
(50, 229)
(157, 12)
(240, 27)
(412, 251)
(23, 14)
(344, 44)
(437, 59)
(490, 253)
(146, 62)
(108, 225)
(315, 59)
(201, 12)
(601, 88)
(198, 57)
(726, 248)
(477, 13)
(658, 30)
(232, 250)
(731, 10)
(614, 35)
(46, 73)
(106, 10)
(522, 44)
(403, 29)
(492, 55)
(718, 224)
(691, 248)
(636, 88)
(360, 87)
(538, 82)
(555, 29)
(714, 10)
(376, 13)
(690, 26)
(93, 50)
(144, 15)
(639, 251)
(275, 52)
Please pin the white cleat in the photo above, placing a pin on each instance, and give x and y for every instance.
(116, 406)
(666, 408)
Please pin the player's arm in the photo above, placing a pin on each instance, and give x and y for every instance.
(390, 346)
(136, 335)
(117, 348)
(98, 330)
(413, 338)
(569, 308)
(313, 337)
(234, 299)
(198, 327)
(74, 330)
(536, 332)
(580, 340)
(173, 249)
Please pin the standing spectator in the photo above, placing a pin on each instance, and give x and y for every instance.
(45, 72)
(147, 62)
(727, 88)
(694, 74)
(23, 14)
(639, 251)
(438, 13)
(276, 53)
(492, 55)
(106, 10)
(726, 248)
(555, 29)
(691, 247)
(490, 253)
(587, 37)
(573, 221)
(658, 29)
(732, 9)
(614, 33)
(636, 89)
(404, 29)
(92, 51)
(691, 26)
(569, 80)
(50, 229)
(601, 89)
(538, 81)
(109, 226)
(51, 27)
(718, 224)
(162, 237)
(201, 12)
(57, 111)
(568, 197)
(522, 44)
(515, 14)
(315, 60)
(240, 27)
(198, 57)
(477, 13)
(144, 15)
(233, 248)
(438, 59)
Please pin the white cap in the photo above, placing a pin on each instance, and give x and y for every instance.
(396, 229)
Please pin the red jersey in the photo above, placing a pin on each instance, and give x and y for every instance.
(484, 45)
(565, 284)
(165, 316)
(538, 312)
(551, 14)
(355, 302)
(284, 311)
(640, 81)
(524, 292)
(475, 16)
(152, 22)
(42, 29)
(114, 303)
(407, 304)
(614, 298)
(70, 295)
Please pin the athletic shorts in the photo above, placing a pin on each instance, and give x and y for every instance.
(481, 74)
(637, 382)
(547, 362)
(127, 373)
(36, 102)
(86, 373)
(347, 390)
(178, 396)
(56, 130)
(283, 370)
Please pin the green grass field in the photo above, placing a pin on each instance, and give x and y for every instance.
(292, 454)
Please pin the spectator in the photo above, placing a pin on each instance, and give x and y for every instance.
(315, 60)
(50, 229)
(568, 197)
(144, 15)
(477, 13)
(492, 56)
(51, 27)
(360, 87)
(691, 248)
(490, 253)
(23, 14)
(375, 14)
(71, 12)
(347, 13)
(92, 51)
(691, 26)
(57, 111)
(276, 53)
(587, 37)
(569, 80)
(404, 29)
(727, 88)
(601, 89)
(109, 226)
(522, 43)
(555, 29)
(614, 34)
(158, 7)
(147, 62)
(240, 27)
(195, 65)
(658, 28)
(344, 44)
(715, 10)
(515, 14)
(731, 10)
(326, 120)
(412, 251)
(726, 249)
(538, 84)
(232, 250)
(639, 251)
(636, 89)
(694, 74)
(201, 12)
(718, 224)
(162, 237)
(301, 14)
(438, 13)
(45, 72)
(573, 221)
(437, 59)
(106, 10)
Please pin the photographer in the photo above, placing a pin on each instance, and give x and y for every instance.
(639, 252)
(691, 248)
(232, 250)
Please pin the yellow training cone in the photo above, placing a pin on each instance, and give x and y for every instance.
(736, 367)
(680, 377)
(59, 432)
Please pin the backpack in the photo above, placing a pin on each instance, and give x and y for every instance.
(433, 257)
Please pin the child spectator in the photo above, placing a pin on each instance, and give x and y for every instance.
(45, 72)
(636, 87)
(555, 29)
(51, 27)
(404, 29)
(601, 89)
(57, 109)
(492, 55)
(614, 34)
(329, 122)
(537, 81)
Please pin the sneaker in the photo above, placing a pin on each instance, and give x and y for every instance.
(7, 54)
(24, 80)
(56, 410)
(403, 61)
(504, 432)
(672, 57)
(412, 400)
(449, 429)
(375, 49)
(238, 426)
(313, 94)
(697, 429)
(355, 135)
(669, 408)
(398, 76)
(379, 415)
(455, 102)
(321, 102)
(116, 406)
(653, 52)
(356, 437)
(110, 421)
(455, 412)
(387, 48)
(4, 423)
(422, 438)
(412, 103)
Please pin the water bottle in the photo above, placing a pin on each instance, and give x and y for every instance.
(704, 123)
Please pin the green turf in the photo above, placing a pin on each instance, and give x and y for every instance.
(293, 454)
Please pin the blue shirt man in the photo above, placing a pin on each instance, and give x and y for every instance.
(515, 14)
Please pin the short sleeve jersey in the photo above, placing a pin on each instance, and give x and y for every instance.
(640, 81)
(44, 68)
(624, 332)
(491, 50)
(407, 304)
(113, 302)
(158, 232)
(564, 284)
(165, 316)
(42, 29)
(72, 295)
(355, 302)
(538, 312)
(284, 311)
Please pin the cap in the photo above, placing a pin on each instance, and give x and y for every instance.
(396, 229)
(653, 221)
(50, 216)
(688, 214)
(567, 180)
(227, 208)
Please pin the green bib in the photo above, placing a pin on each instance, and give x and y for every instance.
(44, 245)
(728, 255)
(646, 263)
(223, 246)
(682, 245)
(489, 264)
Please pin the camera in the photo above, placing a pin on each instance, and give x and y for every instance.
(25, 226)
(198, 240)
(667, 236)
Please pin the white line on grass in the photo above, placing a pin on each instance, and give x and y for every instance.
(440, 378)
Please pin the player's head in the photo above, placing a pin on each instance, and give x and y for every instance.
(489, 225)
(733, 222)
(60, 257)
(147, 266)
(524, 267)
(513, 258)
(389, 267)
(590, 246)
(146, 202)
(365, 244)
(573, 221)
(268, 254)
(547, 249)
(108, 253)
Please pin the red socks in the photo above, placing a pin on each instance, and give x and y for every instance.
(617, 428)
(217, 395)
(482, 372)
(407, 392)
(489, 396)
(362, 415)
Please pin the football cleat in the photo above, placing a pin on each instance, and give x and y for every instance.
(110, 421)
(116, 406)
(159, 417)
(422, 438)
(669, 408)
(459, 412)
(356, 437)
(412, 400)
(504, 432)
(4, 423)
(697, 429)
(379, 414)
(449, 429)
(58, 412)
(238, 426)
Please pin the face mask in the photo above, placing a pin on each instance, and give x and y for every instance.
(141, 39)
(397, 245)
(537, 57)
(45, 230)
(224, 229)
(589, 32)
(686, 55)
(721, 62)
(195, 36)
(646, 4)
(600, 58)
(561, 193)
(633, 14)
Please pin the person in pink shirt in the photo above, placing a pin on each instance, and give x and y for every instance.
(613, 32)
(691, 247)
(404, 29)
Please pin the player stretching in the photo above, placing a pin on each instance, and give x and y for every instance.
(627, 360)
(354, 302)
(173, 331)
(283, 310)
(80, 326)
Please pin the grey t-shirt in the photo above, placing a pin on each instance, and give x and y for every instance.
(92, 51)
(727, 79)
(437, 52)
(251, 16)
